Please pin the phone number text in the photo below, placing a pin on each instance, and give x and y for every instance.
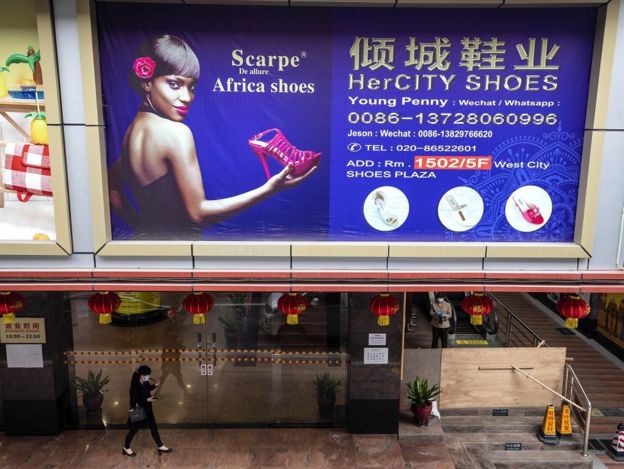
(454, 118)
(456, 133)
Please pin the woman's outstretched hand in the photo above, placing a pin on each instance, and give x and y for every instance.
(284, 180)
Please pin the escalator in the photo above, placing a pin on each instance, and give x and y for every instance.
(466, 334)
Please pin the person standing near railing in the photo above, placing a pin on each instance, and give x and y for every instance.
(441, 311)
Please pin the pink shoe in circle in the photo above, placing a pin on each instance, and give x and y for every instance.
(283, 151)
(530, 212)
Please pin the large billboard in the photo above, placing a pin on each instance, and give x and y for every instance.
(245, 123)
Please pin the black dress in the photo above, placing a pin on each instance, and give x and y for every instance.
(139, 393)
(156, 211)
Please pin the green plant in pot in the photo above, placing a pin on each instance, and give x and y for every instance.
(421, 395)
(229, 323)
(91, 388)
(239, 301)
(326, 388)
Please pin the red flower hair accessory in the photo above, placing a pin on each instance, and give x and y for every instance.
(144, 67)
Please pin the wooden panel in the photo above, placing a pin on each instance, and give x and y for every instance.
(536, 250)
(427, 250)
(464, 385)
(339, 249)
(45, 31)
(147, 249)
(241, 249)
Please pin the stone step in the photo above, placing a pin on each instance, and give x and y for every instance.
(529, 441)
(489, 424)
(488, 411)
(531, 459)
(607, 461)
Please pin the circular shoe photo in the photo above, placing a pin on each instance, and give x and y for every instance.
(460, 208)
(528, 208)
(386, 208)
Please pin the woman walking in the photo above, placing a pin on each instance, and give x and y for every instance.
(141, 394)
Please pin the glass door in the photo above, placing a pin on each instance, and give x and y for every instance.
(244, 366)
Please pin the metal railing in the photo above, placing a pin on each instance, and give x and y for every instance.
(517, 333)
(573, 390)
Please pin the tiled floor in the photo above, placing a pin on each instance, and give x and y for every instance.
(232, 448)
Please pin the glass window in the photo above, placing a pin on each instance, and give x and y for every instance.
(246, 364)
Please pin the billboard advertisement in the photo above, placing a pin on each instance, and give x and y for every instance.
(341, 124)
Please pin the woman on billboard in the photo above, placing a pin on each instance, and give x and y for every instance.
(156, 186)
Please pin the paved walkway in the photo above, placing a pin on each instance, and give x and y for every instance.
(231, 449)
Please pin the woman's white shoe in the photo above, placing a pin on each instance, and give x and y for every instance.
(127, 452)
(389, 219)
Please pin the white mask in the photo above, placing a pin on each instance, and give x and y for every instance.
(146, 378)
(440, 300)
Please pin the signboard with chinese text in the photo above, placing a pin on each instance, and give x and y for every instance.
(426, 125)
(376, 339)
(24, 356)
(23, 331)
(375, 355)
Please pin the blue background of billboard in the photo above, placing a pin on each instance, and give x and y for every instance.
(328, 206)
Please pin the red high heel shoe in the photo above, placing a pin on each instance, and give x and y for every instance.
(530, 212)
(283, 151)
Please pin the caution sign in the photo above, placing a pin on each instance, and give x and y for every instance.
(23, 331)
(564, 429)
(547, 432)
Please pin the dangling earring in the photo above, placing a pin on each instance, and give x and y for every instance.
(149, 103)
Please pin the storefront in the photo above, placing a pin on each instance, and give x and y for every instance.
(245, 366)
(234, 155)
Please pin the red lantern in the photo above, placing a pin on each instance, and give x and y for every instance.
(477, 305)
(10, 303)
(383, 306)
(198, 304)
(573, 308)
(292, 304)
(103, 304)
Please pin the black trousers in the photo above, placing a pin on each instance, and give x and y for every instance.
(441, 332)
(150, 422)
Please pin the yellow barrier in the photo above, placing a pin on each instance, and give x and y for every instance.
(564, 428)
(547, 433)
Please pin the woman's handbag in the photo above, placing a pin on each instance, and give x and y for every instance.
(137, 414)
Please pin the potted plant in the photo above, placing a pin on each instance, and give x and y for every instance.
(420, 395)
(229, 323)
(91, 388)
(238, 300)
(326, 388)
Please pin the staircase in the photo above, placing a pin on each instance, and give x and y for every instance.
(477, 439)
(602, 378)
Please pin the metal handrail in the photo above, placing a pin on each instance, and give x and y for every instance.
(511, 318)
(571, 385)
(569, 401)
(569, 389)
